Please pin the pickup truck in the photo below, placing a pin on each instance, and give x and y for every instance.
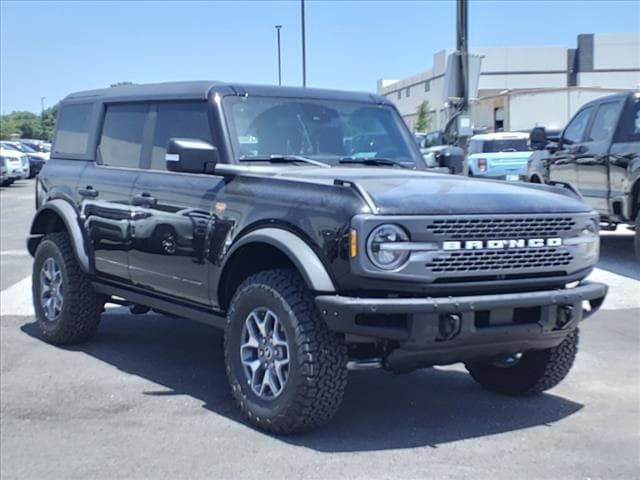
(598, 155)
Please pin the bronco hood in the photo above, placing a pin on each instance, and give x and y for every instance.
(411, 192)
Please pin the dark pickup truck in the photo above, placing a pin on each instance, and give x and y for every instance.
(301, 221)
(598, 154)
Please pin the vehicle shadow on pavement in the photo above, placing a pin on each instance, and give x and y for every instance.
(617, 255)
(380, 410)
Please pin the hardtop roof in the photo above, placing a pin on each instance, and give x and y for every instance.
(200, 90)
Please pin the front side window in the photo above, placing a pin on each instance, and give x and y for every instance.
(178, 120)
(323, 130)
(121, 138)
(604, 123)
(574, 132)
(72, 129)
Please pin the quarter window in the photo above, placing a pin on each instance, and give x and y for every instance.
(73, 125)
(604, 123)
(178, 120)
(121, 138)
(574, 132)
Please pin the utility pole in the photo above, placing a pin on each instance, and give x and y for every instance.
(42, 107)
(278, 27)
(304, 50)
(462, 46)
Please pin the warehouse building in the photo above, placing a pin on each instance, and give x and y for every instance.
(523, 87)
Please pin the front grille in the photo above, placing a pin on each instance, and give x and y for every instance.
(504, 260)
(504, 228)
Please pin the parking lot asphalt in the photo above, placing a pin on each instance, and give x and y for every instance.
(148, 398)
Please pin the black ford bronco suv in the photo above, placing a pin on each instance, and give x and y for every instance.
(299, 220)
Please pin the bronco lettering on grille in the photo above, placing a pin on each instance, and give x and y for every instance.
(500, 244)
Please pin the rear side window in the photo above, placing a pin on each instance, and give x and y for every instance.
(629, 129)
(121, 137)
(72, 127)
(605, 121)
(178, 120)
(574, 132)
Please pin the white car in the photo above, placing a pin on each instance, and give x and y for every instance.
(16, 166)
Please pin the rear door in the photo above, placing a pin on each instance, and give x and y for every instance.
(592, 156)
(625, 149)
(105, 187)
(172, 212)
(562, 164)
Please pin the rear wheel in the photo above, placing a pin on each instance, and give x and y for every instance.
(286, 370)
(67, 307)
(527, 374)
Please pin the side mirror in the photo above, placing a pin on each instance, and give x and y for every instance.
(538, 138)
(191, 155)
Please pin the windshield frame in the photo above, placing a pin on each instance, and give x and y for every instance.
(406, 134)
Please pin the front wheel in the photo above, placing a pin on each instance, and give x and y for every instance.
(527, 374)
(286, 370)
(67, 307)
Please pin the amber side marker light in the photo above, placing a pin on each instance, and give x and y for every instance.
(353, 243)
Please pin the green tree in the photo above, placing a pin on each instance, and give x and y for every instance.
(423, 122)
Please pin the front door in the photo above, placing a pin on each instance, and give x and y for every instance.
(562, 164)
(592, 160)
(105, 188)
(172, 212)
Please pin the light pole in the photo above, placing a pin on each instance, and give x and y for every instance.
(278, 27)
(304, 52)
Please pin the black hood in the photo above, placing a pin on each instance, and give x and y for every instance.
(411, 192)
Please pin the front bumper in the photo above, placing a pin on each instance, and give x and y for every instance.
(452, 329)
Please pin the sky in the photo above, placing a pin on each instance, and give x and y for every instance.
(49, 49)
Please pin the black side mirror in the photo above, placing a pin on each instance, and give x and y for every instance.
(191, 155)
(538, 138)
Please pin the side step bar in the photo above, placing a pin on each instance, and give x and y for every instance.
(174, 307)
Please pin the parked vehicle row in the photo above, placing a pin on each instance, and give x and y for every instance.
(30, 154)
(13, 166)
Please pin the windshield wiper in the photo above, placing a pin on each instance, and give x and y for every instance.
(373, 161)
(282, 159)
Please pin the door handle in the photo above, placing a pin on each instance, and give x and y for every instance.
(144, 199)
(88, 192)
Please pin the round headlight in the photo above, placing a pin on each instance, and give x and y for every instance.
(380, 247)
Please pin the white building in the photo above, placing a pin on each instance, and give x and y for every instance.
(522, 87)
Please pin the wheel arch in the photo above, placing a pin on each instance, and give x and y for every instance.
(58, 216)
(269, 248)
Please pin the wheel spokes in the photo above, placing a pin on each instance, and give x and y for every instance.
(264, 353)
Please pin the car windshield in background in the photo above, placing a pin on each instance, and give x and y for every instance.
(327, 131)
(506, 145)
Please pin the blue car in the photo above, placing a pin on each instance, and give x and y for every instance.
(501, 156)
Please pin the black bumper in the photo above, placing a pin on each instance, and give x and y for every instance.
(451, 329)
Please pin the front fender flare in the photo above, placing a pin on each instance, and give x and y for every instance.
(65, 211)
(299, 252)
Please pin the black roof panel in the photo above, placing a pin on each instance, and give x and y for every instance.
(199, 90)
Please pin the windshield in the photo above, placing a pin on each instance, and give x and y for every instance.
(324, 130)
(506, 145)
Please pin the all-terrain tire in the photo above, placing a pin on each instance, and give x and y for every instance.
(534, 373)
(78, 318)
(317, 375)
